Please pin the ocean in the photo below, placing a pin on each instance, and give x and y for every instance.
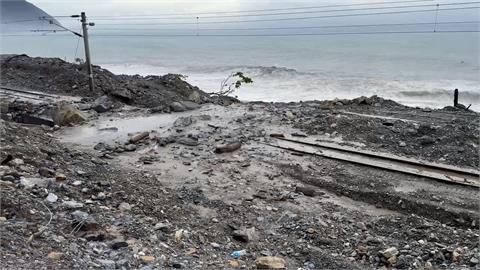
(413, 69)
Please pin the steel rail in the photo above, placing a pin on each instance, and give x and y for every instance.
(440, 172)
(26, 92)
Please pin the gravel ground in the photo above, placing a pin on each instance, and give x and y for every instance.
(169, 201)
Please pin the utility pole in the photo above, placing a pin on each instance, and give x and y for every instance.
(85, 25)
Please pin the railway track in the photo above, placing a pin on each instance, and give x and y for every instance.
(20, 92)
(439, 172)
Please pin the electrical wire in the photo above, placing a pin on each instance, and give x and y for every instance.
(289, 28)
(266, 10)
(62, 27)
(287, 34)
(265, 35)
(303, 18)
(289, 13)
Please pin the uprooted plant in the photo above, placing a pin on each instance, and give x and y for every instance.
(232, 83)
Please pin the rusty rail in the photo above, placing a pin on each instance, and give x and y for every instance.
(439, 172)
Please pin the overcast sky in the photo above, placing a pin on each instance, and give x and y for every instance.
(116, 7)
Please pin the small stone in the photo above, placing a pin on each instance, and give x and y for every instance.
(474, 261)
(107, 263)
(55, 256)
(177, 265)
(46, 172)
(234, 263)
(392, 260)
(72, 204)
(101, 196)
(118, 244)
(402, 144)
(308, 191)
(162, 227)
(52, 198)
(9, 178)
(147, 259)
(245, 235)
(31, 182)
(77, 183)
(215, 245)
(269, 262)
(124, 207)
(16, 162)
(2, 220)
(361, 226)
(130, 147)
(390, 252)
(60, 177)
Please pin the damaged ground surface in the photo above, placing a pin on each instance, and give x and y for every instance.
(131, 189)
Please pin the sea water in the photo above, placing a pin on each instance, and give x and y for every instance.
(413, 69)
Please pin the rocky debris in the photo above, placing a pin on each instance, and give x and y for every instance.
(386, 126)
(55, 256)
(270, 263)
(66, 78)
(139, 136)
(309, 191)
(51, 198)
(112, 215)
(28, 113)
(245, 234)
(102, 104)
(184, 121)
(188, 141)
(227, 148)
(182, 106)
(67, 115)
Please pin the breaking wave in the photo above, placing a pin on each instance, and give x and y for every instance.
(467, 95)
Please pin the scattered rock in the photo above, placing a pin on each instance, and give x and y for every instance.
(269, 262)
(52, 198)
(390, 252)
(102, 104)
(117, 244)
(124, 207)
(67, 115)
(309, 191)
(226, 148)
(147, 259)
(60, 177)
(187, 141)
(55, 256)
(138, 137)
(245, 235)
(46, 172)
(72, 204)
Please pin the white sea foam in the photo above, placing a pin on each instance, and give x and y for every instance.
(283, 84)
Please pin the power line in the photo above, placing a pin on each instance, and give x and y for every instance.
(260, 35)
(268, 35)
(303, 18)
(291, 28)
(274, 9)
(288, 34)
(288, 13)
(62, 27)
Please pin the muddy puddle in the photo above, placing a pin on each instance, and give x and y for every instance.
(108, 129)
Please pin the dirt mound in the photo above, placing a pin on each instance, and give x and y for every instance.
(53, 75)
